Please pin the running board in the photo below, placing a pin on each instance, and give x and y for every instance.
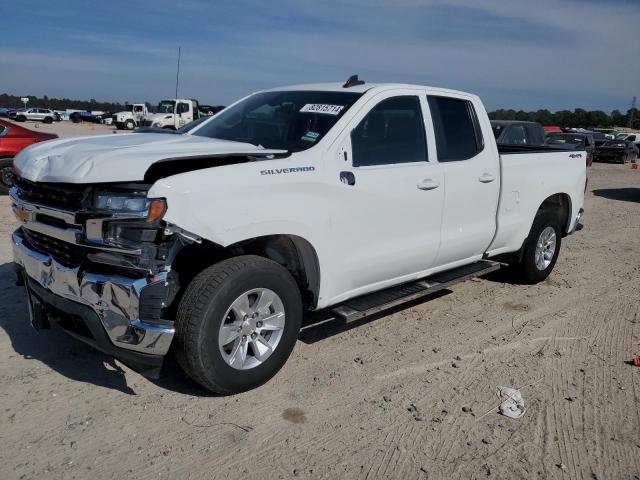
(375, 302)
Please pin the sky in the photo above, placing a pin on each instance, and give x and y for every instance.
(521, 54)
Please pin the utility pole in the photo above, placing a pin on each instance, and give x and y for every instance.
(632, 112)
(178, 73)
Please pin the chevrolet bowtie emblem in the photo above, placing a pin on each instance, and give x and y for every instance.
(23, 214)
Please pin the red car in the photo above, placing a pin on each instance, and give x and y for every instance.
(14, 138)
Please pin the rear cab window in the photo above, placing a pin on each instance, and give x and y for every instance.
(456, 126)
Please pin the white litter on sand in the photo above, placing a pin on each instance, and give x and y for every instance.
(512, 405)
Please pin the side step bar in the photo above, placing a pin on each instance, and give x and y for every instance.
(375, 302)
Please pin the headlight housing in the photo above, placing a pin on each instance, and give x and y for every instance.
(130, 204)
(120, 203)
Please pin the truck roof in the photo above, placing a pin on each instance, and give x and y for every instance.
(338, 87)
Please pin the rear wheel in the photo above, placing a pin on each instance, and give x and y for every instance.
(48, 120)
(237, 324)
(541, 249)
(6, 175)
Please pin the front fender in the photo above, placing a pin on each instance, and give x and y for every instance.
(232, 203)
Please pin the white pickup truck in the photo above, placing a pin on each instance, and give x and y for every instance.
(214, 241)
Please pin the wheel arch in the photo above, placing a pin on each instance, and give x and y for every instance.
(560, 204)
(293, 252)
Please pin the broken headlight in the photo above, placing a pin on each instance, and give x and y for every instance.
(121, 203)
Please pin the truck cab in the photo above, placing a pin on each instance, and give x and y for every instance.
(174, 114)
(132, 117)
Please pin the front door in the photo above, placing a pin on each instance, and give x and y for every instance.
(389, 196)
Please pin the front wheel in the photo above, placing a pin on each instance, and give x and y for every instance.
(237, 324)
(541, 249)
(6, 175)
(130, 125)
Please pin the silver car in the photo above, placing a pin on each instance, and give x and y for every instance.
(36, 114)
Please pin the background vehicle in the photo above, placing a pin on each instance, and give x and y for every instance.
(573, 141)
(631, 137)
(14, 112)
(599, 138)
(36, 114)
(132, 117)
(616, 151)
(514, 132)
(173, 114)
(207, 110)
(82, 116)
(13, 138)
(309, 197)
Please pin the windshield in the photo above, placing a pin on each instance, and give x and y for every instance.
(292, 121)
(565, 139)
(166, 106)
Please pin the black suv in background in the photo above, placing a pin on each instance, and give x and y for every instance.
(573, 141)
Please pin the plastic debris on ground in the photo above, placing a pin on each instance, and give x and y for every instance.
(512, 405)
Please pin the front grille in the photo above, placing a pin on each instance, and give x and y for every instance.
(57, 195)
(65, 253)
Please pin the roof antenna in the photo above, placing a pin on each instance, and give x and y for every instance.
(353, 81)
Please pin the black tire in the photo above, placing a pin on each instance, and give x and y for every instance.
(526, 271)
(6, 172)
(130, 125)
(48, 120)
(21, 118)
(201, 312)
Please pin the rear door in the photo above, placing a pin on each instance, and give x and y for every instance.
(472, 175)
(388, 197)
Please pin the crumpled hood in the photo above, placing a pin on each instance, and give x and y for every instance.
(119, 158)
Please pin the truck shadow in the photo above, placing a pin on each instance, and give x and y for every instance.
(54, 348)
(628, 194)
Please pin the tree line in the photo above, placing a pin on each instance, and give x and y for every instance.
(577, 118)
(563, 118)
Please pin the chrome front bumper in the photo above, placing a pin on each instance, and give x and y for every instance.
(114, 299)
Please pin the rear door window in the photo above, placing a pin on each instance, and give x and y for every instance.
(458, 134)
(391, 133)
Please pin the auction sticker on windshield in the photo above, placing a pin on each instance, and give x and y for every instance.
(322, 108)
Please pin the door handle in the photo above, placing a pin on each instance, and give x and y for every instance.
(486, 178)
(428, 184)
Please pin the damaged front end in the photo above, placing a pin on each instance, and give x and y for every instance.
(96, 261)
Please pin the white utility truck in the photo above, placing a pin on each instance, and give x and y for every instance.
(216, 240)
(173, 114)
(132, 117)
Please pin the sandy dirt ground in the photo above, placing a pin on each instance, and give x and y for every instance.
(409, 394)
